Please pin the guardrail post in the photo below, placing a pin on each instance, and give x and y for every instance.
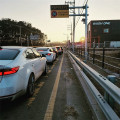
(93, 55)
(108, 98)
(103, 57)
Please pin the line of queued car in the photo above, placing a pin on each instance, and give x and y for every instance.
(51, 53)
(20, 67)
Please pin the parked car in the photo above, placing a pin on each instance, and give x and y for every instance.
(59, 49)
(55, 50)
(62, 49)
(20, 67)
(48, 52)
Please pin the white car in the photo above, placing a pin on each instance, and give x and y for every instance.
(20, 67)
(48, 52)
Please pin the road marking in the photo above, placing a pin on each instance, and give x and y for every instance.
(50, 107)
(51, 68)
(30, 101)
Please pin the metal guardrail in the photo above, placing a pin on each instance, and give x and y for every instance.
(109, 87)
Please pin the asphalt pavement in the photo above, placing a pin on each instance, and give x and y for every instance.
(58, 96)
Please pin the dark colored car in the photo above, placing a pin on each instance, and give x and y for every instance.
(59, 50)
(62, 49)
(55, 50)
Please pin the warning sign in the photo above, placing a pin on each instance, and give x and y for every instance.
(59, 11)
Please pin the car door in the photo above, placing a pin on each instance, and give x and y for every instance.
(33, 61)
(40, 62)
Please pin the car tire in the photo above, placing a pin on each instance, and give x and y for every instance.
(31, 86)
(45, 71)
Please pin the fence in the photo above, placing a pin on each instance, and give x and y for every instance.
(106, 58)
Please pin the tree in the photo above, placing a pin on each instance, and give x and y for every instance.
(13, 32)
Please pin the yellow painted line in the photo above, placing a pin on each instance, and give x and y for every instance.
(50, 107)
(30, 101)
(51, 68)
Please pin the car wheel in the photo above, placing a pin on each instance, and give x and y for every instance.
(45, 71)
(31, 86)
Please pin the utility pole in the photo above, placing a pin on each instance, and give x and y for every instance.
(27, 41)
(73, 26)
(86, 31)
(73, 3)
(20, 36)
(71, 33)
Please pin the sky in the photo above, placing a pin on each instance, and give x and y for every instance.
(37, 12)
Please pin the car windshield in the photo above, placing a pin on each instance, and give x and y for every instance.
(42, 49)
(8, 54)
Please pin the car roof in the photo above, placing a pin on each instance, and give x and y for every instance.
(43, 47)
(16, 47)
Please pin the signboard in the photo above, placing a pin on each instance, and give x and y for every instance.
(59, 11)
(34, 37)
(101, 23)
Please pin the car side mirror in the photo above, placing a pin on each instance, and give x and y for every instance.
(30, 56)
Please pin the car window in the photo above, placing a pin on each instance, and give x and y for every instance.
(8, 54)
(42, 49)
(54, 49)
(51, 50)
(29, 54)
(36, 53)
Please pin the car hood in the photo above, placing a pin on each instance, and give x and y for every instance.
(5, 62)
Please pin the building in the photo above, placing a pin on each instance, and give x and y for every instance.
(103, 31)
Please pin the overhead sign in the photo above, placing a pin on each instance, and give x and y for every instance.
(34, 37)
(59, 11)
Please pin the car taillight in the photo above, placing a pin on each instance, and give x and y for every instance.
(59, 49)
(8, 71)
(0, 73)
(48, 54)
